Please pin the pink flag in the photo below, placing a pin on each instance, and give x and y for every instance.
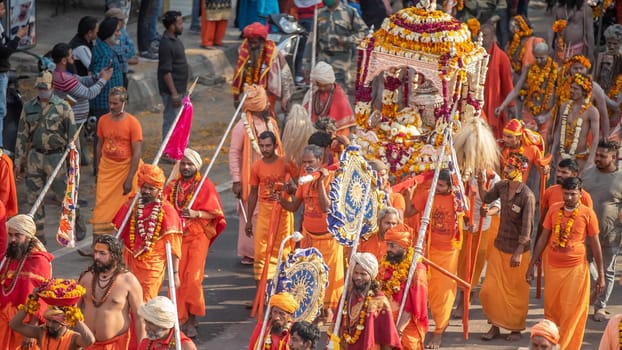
(181, 134)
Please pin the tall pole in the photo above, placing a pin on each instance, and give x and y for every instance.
(313, 54)
(217, 152)
(172, 292)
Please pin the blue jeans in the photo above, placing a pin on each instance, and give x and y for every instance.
(195, 24)
(170, 112)
(155, 19)
(4, 81)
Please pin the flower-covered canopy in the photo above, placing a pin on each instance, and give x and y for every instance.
(416, 49)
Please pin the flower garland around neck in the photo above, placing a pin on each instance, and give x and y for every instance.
(360, 326)
(522, 32)
(252, 75)
(398, 275)
(561, 239)
(566, 132)
(558, 28)
(534, 90)
(176, 196)
(154, 225)
(251, 134)
(615, 89)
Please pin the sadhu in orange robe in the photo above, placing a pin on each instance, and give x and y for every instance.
(198, 236)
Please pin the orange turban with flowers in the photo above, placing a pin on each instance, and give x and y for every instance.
(514, 127)
(256, 98)
(152, 175)
(284, 301)
(255, 30)
(546, 329)
(400, 234)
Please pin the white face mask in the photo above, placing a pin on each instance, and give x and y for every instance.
(44, 94)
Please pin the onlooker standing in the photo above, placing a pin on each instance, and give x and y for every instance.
(214, 17)
(104, 56)
(80, 89)
(82, 44)
(7, 47)
(144, 28)
(195, 23)
(125, 47)
(172, 68)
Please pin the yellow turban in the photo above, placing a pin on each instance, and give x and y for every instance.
(256, 99)
(160, 311)
(546, 329)
(23, 224)
(194, 157)
(284, 301)
(152, 175)
(400, 234)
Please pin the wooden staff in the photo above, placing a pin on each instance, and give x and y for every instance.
(543, 178)
(172, 292)
(52, 176)
(313, 54)
(156, 160)
(217, 152)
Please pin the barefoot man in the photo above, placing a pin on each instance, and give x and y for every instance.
(578, 118)
(111, 293)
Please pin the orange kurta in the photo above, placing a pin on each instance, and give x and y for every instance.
(555, 194)
(150, 266)
(198, 236)
(315, 229)
(36, 269)
(8, 194)
(566, 274)
(121, 341)
(498, 85)
(113, 169)
(374, 245)
(279, 341)
(62, 343)
(442, 250)
(273, 222)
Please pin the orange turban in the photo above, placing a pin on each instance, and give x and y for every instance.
(514, 127)
(152, 175)
(255, 30)
(400, 234)
(284, 301)
(256, 98)
(546, 329)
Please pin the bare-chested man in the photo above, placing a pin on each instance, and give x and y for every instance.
(111, 293)
(539, 98)
(578, 36)
(580, 64)
(577, 118)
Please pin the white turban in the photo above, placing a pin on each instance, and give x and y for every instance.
(194, 157)
(368, 262)
(323, 73)
(160, 311)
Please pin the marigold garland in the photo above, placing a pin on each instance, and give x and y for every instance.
(561, 239)
(473, 25)
(523, 32)
(31, 306)
(252, 73)
(399, 273)
(177, 197)
(558, 27)
(251, 134)
(154, 225)
(569, 136)
(533, 89)
(614, 91)
(73, 315)
(360, 327)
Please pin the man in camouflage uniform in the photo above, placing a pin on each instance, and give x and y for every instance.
(46, 127)
(340, 29)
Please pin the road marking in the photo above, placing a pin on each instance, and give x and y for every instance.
(66, 250)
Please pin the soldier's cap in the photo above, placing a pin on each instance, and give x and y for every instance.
(116, 12)
(44, 81)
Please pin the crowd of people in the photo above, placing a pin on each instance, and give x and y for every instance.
(553, 205)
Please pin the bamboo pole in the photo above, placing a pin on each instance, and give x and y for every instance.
(172, 292)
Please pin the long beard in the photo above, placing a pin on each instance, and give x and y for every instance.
(605, 79)
(99, 268)
(395, 258)
(362, 288)
(53, 333)
(17, 251)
